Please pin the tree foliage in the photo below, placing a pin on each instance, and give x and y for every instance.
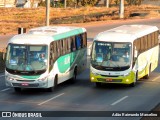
(88, 2)
(134, 2)
(129, 2)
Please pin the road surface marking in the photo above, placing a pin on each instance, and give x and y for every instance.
(5, 89)
(156, 78)
(119, 100)
(51, 99)
(2, 75)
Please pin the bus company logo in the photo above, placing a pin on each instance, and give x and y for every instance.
(6, 114)
(20, 114)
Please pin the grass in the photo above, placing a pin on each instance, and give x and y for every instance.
(12, 18)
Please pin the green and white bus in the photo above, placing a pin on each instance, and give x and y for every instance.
(124, 54)
(45, 56)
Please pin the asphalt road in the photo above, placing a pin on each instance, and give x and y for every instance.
(83, 95)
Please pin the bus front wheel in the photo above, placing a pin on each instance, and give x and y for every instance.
(98, 84)
(17, 89)
(73, 79)
(51, 89)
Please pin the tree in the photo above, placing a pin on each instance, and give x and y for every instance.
(134, 2)
(88, 2)
(117, 2)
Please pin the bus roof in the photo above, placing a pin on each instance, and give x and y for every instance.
(125, 33)
(46, 34)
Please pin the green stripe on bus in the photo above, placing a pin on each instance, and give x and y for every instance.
(31, 77)
(67, 61)
(67, 34)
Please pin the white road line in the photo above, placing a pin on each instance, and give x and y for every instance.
(51, 99)
(5, 89)
(119, 100)
(155, 78)
(2, 75)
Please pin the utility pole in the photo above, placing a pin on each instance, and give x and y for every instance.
(107, 3)
(47, 12)
(65, 3)
(121, 9)
(4, 3)
(75, 3)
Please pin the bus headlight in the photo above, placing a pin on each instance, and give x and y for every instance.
(127, 80)
(43, 79)
(92, 78)
(9, 78)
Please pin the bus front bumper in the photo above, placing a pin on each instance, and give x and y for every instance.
(26, 83)
(128, 79)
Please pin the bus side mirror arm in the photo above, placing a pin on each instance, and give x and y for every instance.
(4, 56)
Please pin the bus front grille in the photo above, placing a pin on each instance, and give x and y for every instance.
(110, 75)
(25, 80)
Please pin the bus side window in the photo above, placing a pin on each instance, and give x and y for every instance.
(84, 36)
(81, 37)
(73, 46)
(64, 51)
(78, 42)
(52, 56)
(59, 47)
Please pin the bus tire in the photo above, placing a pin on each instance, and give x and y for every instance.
(17, 89)
(133, 84)
(149, 71)
(74, 75)
(51, 89)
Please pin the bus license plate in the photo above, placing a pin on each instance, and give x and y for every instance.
(108, 79)
(24, 84)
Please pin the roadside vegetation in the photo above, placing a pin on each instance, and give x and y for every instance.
(12, 18)
(78, 3)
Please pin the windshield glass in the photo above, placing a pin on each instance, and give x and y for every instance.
(26, 58)
(111, 55)
(21, 1)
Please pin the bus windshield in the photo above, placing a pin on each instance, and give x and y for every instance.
(26, 58)
(111, 56)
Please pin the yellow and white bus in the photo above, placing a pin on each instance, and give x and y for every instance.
(124, 54)
(45, 57)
